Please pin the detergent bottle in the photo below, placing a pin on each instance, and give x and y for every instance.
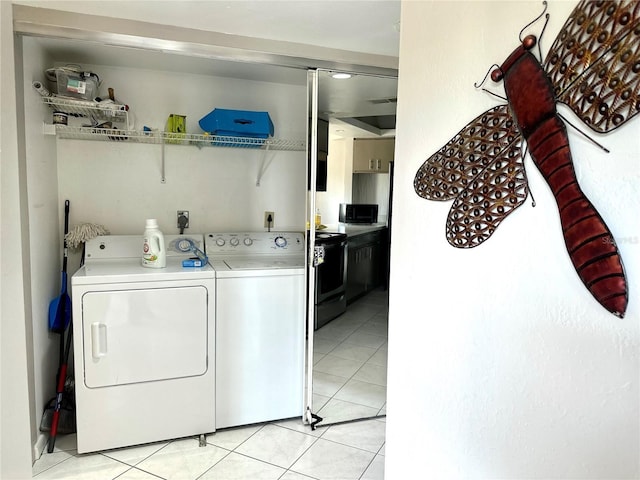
(154, 254)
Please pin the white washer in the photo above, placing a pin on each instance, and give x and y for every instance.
(144, 343)
(260, 318)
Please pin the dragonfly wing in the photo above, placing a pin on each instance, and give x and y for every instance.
(594, 63)
(447, 173)
(489, 198)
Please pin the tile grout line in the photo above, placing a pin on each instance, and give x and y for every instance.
(367, 467)
(140, 470)
(55, 465)
(353, 446)
(286, 469)
(229, 452)
(326, 429)
(343, 341)
(302, 454)
(145, 458)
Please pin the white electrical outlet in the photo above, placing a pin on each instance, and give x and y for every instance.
(185, 214)
(266, 219)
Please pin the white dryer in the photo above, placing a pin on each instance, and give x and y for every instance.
(260, 318)
(144, 344)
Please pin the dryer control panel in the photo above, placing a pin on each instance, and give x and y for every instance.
(130, 246)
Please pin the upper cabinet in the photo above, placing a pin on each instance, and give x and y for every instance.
(323, 136)
(323, 156)
(372, 155)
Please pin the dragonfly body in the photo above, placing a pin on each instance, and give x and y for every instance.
(587, 238)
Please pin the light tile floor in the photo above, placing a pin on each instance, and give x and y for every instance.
(286, 450)
(350, 358)
(350, 361)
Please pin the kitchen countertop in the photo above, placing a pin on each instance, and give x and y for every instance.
(353, 230)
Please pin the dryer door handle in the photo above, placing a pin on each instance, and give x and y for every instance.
(98, 340)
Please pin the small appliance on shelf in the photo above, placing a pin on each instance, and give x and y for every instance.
(72, 81)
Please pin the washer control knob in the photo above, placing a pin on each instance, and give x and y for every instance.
(234, 242)
(220, 242)
(184, 245)
(281, 242)
(248, 242)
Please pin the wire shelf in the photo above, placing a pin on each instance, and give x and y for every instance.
(89, 109)
(169, 138)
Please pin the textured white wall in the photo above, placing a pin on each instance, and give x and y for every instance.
(338, 179)
(501, 364)
(45, 241)
(17, 425)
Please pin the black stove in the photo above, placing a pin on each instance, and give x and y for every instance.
(331, 277)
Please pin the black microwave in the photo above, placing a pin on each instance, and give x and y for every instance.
(358, 213)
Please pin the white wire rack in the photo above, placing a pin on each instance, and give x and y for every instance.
(99, 112)
(103, 111)
(169, 138)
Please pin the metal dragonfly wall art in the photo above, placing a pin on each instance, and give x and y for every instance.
(593, 67)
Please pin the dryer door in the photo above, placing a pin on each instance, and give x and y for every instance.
(132, 336)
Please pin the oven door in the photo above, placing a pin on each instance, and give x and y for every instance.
(331, 276)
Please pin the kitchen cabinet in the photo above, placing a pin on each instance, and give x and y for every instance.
(322, 154)
(323, 136)
(366, 263)
(372, 155)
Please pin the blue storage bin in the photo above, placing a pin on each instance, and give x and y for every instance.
(237, 123)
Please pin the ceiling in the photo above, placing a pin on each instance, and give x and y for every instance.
(363, 105)
(368, 26)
